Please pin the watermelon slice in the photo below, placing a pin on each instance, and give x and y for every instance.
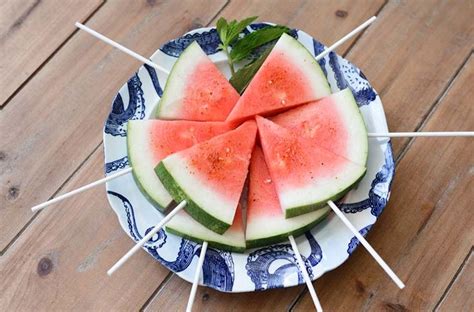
(210, 176)
(196, 89)
(334, 122)
(266, 223)
(305, 174)
(149, 141)
(182, 224)
(289, 76)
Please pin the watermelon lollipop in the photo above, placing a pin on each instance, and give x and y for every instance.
(266, 223)
(334, 122)
(305, 174)
(210, 176)
(233, 239)
(149, 141)
(289, 76)
(196, 89)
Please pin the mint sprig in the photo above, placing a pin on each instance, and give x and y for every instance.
(242, 77)
(229, 32)
(240, 48)
(243, 47)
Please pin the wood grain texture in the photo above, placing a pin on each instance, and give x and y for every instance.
(428, 226)
(56, 121)
(171, 296)
(461, 295)
(326, 21)
(412, 53)
(30, 31)
(60, 261)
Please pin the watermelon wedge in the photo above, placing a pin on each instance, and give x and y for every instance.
(289, 76)
(196, 89)
(266, 223)
(210, 176)
(182, 224)
(149, 141)
(334, 122)
(305, 174)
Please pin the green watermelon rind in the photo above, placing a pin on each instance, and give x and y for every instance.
(156, 204)
(214, 244)
(281, 237)
(164, 98)
(312, 58)
(347, 93)
(160, 206)
(296, 211)
(192, 208)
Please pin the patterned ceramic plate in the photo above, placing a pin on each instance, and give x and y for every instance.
(324, 248)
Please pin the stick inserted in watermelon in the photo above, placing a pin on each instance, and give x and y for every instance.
(210, 176)
(266, 223)
(289, 76)
(233, 239)
(149, 141)
(306, 175)
(334, 122)
(196, 89)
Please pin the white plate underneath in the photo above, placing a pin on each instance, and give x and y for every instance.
(324, 248)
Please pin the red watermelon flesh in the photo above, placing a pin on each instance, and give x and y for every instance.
(266, 223)
(196, 89)
(149, 141)
(333, 122)
(210, 176)
(305, 174)
(289, 76)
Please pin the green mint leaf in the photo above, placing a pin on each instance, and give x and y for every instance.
(237, 27)
(243, 76)
(220, 25)
(247, 44)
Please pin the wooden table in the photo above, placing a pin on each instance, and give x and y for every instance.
(56, 88)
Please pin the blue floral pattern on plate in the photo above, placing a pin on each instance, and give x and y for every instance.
(258, 269)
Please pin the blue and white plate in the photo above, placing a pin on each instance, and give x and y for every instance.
(324, 248)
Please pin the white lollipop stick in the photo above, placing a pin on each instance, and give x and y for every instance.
(146, 238)
(81, 189)
(121, 47)
(341, 41)
(197, 275)
(367, 246)
(303, 270)
(421, 134)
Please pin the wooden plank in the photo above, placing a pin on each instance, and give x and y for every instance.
(60, 261)
(326, 21)
(322, 21)
(30, 31)
(411, 54)
(460, 296)
(60, 113)
(427, 228)
(172, 297)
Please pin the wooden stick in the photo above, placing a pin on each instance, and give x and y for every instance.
(421, 134)
(197, 275)
(346, 37)
(81, 189)
(367, 246)
(146, 238)
(304, 272)
(121, 47)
